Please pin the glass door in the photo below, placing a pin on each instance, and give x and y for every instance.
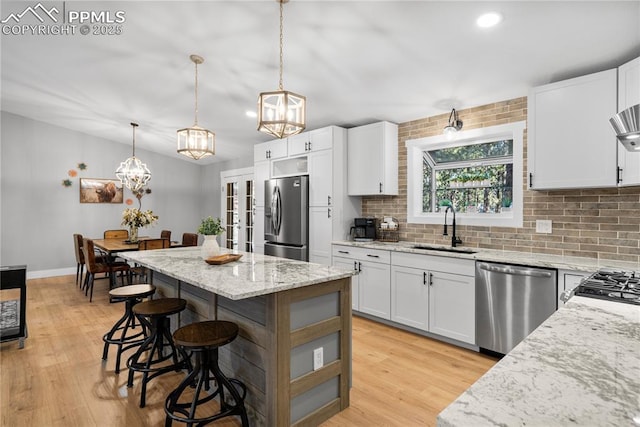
(238, 203)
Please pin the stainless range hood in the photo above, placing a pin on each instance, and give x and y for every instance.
(626, 125)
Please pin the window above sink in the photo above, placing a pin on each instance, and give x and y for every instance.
(479, 174)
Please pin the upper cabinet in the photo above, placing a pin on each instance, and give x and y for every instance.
(306, 142)
(570, 141)
(628, 95)
(275, 149)
(372, 157)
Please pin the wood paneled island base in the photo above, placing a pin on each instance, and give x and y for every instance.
(300, 307)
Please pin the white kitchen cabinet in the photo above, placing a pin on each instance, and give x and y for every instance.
(570, 141)
(373, 160)
(275, 149)
(307, 142)
(567, 280)
(410, 297)
(628, 95)
(321, 178)
(258, 230)
(452, 306)
(374, 274)
(350, 264)
(319, 237)
(260, 175)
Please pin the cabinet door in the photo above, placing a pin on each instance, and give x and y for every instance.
(261, 152)
(410, 297)
(321, 139)
(258, 230)
(348, 263)
(278, 149)
(375, 289)
(320, 178)
(372, 156)
(452, 305)
(320, 235)
(628, 95)
(260, 175)
(571, 144)
(298, 144)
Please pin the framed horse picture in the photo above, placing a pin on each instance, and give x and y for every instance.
(96, 190)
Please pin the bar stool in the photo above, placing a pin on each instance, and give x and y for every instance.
(156, 313)
(131, 295)
(204, 339)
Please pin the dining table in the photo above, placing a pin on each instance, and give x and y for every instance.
(112, 246)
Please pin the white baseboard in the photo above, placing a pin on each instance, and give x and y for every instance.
(50, 273)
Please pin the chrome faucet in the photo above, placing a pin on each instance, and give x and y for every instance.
(454, 240)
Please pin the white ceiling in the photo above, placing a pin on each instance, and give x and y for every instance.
(356, 62)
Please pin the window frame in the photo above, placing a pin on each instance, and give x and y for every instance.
(415, 147)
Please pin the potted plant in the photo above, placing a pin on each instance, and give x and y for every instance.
(210, 227)
(506, 204)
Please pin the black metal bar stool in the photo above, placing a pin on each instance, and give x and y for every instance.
(150, 356)
(121, 333)
(204, 339)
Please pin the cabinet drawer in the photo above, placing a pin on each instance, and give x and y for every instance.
(362, 254)
(461, 266)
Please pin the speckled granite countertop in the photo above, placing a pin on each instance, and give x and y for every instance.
(509, 257)
(250, 276)
(581, 367)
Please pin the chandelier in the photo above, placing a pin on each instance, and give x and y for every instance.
(281, 113)
(196, 142)
(132, 173)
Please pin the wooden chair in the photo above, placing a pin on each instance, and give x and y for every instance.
(189, 239)
(116, 234)
(146, 245)
(95, 267)
(165, 234)
(78, 244)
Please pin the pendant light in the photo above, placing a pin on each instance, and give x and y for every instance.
(196, 142)
(281, 113)
(454, 124)
(132, 173)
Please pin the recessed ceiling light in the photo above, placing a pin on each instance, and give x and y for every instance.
(251, 113)
(489, 20)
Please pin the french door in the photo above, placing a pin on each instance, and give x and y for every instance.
(237, 202)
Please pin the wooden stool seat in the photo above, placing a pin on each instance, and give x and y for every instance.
(151, 356)
(204, 339)
(160, 307)
(213, 333)
(120, 334)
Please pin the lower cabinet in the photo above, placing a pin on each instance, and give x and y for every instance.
(452, 306)
(374, 289)
(410, 297)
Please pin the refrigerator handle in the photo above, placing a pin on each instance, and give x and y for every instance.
(279, 210)
(274, 210)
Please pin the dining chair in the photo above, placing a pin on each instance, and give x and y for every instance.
(78, 245)
(116, 234)
(96, 266)
(146, 245)
(165, 234)
(189, 239)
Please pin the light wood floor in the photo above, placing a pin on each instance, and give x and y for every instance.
(58, 379)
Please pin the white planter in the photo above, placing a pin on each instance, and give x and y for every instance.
(210, 247)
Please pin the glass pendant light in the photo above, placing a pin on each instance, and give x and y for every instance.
(196, 142)
(132, 173)
(281, 113)
(454, 125)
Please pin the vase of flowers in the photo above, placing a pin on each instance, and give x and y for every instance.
(210, 227)
(136, 218)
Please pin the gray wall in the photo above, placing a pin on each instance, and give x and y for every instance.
(38, 215)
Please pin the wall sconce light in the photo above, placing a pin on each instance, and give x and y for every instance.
(454, 124)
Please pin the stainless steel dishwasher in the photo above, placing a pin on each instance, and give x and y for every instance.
(511, 301)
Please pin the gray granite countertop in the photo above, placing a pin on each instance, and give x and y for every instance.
(250, 276)
(492, 255)
(581, 367)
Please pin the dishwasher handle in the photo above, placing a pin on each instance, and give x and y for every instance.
(508, 269)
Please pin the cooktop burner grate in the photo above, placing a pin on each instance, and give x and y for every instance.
(622, 286)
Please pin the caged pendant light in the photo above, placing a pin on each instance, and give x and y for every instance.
(281, 113)
(132, 173)
(196, 142)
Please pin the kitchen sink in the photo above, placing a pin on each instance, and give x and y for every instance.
(445, 249)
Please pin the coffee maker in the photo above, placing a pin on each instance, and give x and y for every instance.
(364, 229)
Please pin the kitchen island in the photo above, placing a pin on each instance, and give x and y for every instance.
(285, 310)
(581, 367)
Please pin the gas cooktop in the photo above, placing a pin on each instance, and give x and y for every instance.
(612, 285)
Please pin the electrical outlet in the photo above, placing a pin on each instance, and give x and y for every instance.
(318, 359)
(543, 226)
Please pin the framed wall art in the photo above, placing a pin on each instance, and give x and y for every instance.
(96, 190)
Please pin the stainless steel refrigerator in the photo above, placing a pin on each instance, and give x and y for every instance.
(286, 217)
